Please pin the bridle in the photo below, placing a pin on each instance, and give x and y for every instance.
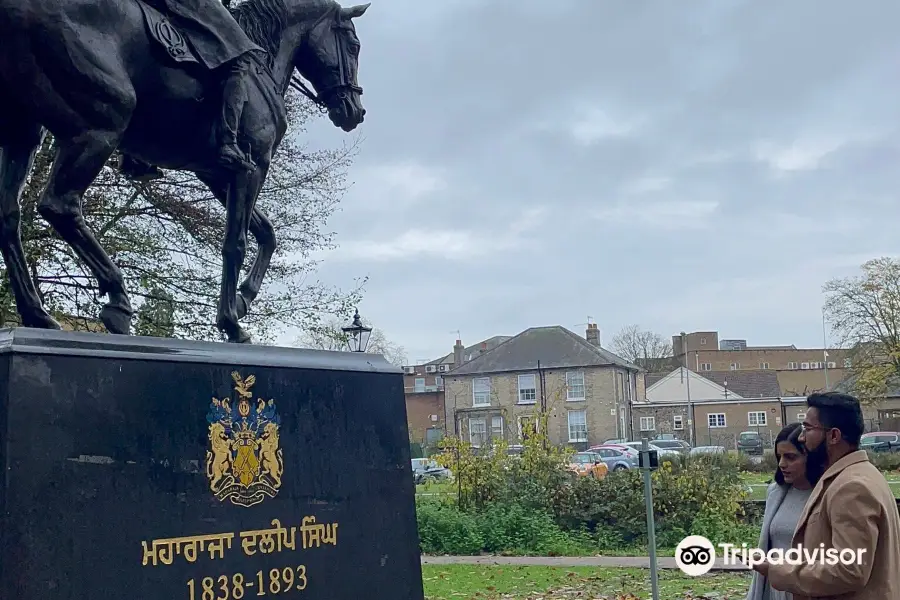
(344, 83)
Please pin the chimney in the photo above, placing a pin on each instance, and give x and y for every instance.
(458, 354)
(592, 335)
(483, 348)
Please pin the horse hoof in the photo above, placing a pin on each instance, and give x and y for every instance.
(240, 337)
(116, 319)
(42, 320)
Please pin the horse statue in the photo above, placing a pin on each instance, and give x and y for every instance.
(103, 75)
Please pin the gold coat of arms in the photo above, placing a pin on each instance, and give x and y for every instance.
(244, 463)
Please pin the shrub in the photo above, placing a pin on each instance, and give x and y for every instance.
(444, 529)
(885, 461)
(702, 493)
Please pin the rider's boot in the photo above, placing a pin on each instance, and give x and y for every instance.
(234, 98)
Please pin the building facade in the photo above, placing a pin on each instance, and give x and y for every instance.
(800, 371)
(423, 386)
(585, 390)
(711, 408)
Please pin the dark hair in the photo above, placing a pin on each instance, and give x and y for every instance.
(840, 411)
(791, 433)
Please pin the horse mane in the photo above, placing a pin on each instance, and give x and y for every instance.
(264, 22)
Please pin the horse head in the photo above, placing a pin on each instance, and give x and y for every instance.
(328, 57)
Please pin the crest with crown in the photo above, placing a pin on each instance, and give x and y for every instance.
(239, 464)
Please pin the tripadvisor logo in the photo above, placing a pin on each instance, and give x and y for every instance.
(695, 555)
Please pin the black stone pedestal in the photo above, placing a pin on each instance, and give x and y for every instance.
(153, 469)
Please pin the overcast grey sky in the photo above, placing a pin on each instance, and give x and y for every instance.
(706, 164)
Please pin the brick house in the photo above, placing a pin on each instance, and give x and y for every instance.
(800, 371)
(712, 408)
(586, 389)
(423, 386)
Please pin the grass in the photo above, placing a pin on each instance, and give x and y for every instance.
(514, 582)
(759, 482)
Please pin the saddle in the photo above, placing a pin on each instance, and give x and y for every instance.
(169, 38)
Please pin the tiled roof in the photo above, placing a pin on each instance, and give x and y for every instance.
(553, 347)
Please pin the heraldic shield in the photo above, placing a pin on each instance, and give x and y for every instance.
(244, 463)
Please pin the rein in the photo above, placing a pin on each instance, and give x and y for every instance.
(301, 87)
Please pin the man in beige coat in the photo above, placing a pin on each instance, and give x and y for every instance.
(851, 507)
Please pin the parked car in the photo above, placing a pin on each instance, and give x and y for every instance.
(626, 449)
(615, 441)
(660, 452)
(617, 458)
(588, 464)
(880, 441)
(679, 446)
(750, 442)
(698, 450)
(426, 469)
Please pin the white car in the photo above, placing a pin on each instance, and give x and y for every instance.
(660, 452)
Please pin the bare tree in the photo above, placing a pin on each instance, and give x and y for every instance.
(327, 335)
(864, 313)
(644, 348)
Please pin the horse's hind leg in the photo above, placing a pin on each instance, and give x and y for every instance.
(16, 159)
(77, 163)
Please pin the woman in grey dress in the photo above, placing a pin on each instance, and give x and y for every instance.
(795, 478)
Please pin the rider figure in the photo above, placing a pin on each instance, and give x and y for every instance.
(224, 49)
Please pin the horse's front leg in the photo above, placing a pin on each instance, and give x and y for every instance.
(240, 198)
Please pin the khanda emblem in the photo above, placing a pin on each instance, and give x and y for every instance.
(244, 463)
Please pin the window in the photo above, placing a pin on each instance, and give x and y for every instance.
(735, 366)
(702, 341)
(677, 422)
(527, 389)
(801, 416)
(756, 419)
(804, 365)
(577, 426)
(763, 365)
(527, 426)
(815, 365)
(848, 363)
(477, 432)
(715, 420)
(420, 384)
(792, 366)
(575, 385)
(481, 392)
(648, 423)
(438, 380)
(497, 427)
(705, 367)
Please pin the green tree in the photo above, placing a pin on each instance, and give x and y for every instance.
(864, 313)
(166, 237)
(156, 316)
(327, 335)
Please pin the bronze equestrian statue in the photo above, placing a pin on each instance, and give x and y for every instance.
(178, 84)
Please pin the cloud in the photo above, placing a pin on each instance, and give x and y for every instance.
(673, 215)
(710, 147)
(425, 242)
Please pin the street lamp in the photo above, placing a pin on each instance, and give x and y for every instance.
(357, 334)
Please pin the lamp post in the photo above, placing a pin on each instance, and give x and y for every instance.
(357, 334)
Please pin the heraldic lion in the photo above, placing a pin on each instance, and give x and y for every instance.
(218, 461)
(269, 453)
